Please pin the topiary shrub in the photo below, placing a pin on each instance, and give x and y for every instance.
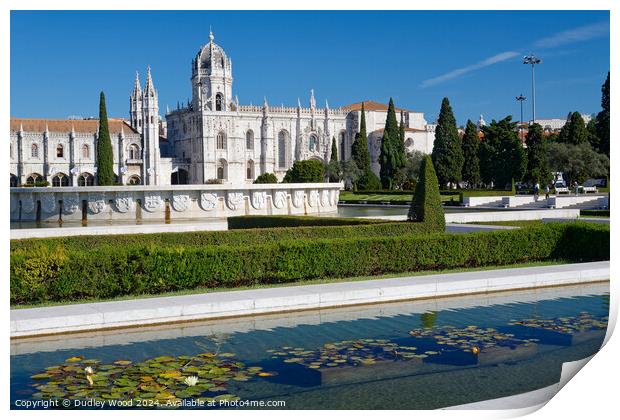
(426, 204)
(305, 171)
(266, 178)
(368, 182)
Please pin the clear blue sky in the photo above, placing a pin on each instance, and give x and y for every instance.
(61, 60)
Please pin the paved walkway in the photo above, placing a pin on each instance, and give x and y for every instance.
(126, 313)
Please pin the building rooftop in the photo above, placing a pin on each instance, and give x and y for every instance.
(372, 106)
(65, 126)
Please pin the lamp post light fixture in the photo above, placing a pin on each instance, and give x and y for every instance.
(521, 98)
(533, 60)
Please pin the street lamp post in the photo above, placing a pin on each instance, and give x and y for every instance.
(533, 60)
(521, 98)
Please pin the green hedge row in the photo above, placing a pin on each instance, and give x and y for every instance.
(251, 222)
(234, 237)
(41, 274)
(600, 213)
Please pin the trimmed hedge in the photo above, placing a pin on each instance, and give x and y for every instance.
(251, 222)
(42, 274)
(236, 237)
(426, 204)
(600, 213)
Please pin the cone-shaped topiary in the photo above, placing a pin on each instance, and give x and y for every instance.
(105, 162)
(426, 204)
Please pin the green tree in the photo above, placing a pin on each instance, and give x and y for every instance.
(563, 136)
(305, 171)
(393, 130)
(577, 162)
(266, 178)
(105, 159)
(333, 168)
(593, 138)
(577, 132)
(602, 119)
(367, 180)
(407, 176)
(447, 154)
(502, 157)
(426, 204)
(471, 162)
(350, 174)
(387, 160)
(537, 170)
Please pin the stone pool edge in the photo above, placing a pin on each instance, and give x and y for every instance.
(175, 309)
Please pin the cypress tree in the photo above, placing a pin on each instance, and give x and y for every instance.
(602, 119)
(333, 163)
(105, 162)
(577, 133)
(393, 131)
(537, 155)
(361, 156)
(387, 162)
(563, 136)
(593, 138)
(471, 161)
(401, 142)
(426, 204)
(447, 154)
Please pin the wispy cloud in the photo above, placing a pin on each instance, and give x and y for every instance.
(580, 34)
(497, 58)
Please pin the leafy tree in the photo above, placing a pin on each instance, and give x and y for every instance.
(394, 133)
(426, 204)
(305, 171)
(577, 132)
(350, 173)
(333, 169)
(367, 180)
(266, 178)
(537, 170)
(407, 176)
(602, 119)
(471, 162)
(387, 160)
(447, 154)
(105, 156)
(563, 136)
(502, 157)
(593, 138)
(577, 162)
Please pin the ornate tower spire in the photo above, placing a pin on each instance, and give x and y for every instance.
(312, 101)
(149, 88)
(137, 90)
(211, 37)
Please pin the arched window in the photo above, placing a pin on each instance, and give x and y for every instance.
(34, 150)
(133, 151)
(221, 141)
(13, 180)
(249, 140)
(85, 151)
(60, 151)
(222, 169)
(60, 180)
(282, 148)
(409, 143)
(249, 170)
(342, 146)
(313, 143)
(134, 180)
(32, 178)
(218, 102)
(86, 180)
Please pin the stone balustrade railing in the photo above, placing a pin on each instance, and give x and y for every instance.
(140, 202)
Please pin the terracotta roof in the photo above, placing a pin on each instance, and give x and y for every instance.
(372, 106)
(407, 130)
(64, 126)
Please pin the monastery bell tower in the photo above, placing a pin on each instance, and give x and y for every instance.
(212, 78)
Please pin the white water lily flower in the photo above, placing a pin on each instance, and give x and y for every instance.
(89, 370)
(191, 380)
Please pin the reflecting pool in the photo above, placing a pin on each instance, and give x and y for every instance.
(407, 355)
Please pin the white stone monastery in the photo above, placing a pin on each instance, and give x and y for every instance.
(213, 139)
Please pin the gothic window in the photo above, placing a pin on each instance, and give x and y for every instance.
(313, 143)
(249, 170)
(222, 169)
(34, 151)
(342, 146)
(249, 140)
(86, 180)
(60, 152)
(85, 151)
(13, 180)
(134, 152)
(221, 141)
(32, 178)
(218, 102)
(134, 180)
(60, 180)
(282, 139)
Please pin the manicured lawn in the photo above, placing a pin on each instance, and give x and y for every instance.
(200, 290)
(378, 198)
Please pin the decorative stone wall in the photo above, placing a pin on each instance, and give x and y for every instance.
(131, 203)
